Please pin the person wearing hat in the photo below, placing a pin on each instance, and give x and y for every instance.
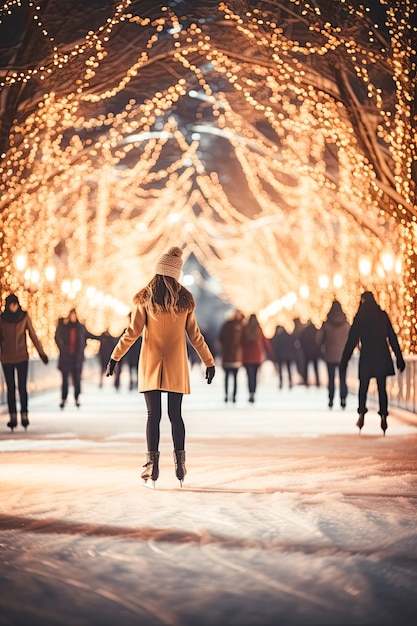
(372, 329)
(164, 316)
(15, 324)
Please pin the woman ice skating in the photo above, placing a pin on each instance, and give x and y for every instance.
(163, 315)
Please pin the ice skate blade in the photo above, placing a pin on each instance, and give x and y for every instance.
(149, 484)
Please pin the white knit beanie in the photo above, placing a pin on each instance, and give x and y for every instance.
(170, 264)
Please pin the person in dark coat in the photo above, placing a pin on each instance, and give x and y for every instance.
(299, 354)
(231, 348)
(332, 337)
(283, 347)
(131, 359)
(15, 325)
(71, 338)
(311, 351)
(372, 329)
(107, 343)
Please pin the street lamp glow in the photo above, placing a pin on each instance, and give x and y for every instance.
(66, 287)
(337, 280)
(365, 266)
(387, 260)
(76, 284)
(20, 262)
(323, 281)
(188, 280)
(50, 273)
(289, 300)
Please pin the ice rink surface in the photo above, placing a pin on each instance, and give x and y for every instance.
(287, 515)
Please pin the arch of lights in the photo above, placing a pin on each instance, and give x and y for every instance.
(267, 182)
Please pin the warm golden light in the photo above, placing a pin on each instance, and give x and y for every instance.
(337, 281)
(323, 281)
(365, 266)
(50, 273)
(20, 262)
(274, 184)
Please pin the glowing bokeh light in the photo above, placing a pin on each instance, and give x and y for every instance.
(296, 160)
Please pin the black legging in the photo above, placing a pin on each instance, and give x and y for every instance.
(154, 406)
(381, 382)
(232, 373)
(315, 364)
(332, 368)
(285, 363)
(9, 375)
(73, 371)
(252, 373)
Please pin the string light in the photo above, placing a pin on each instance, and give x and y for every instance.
(92, 179)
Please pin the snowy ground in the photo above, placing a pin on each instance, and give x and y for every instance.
(287, 515)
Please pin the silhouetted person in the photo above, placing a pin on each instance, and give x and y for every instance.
(132, 361)
(373, 332)
(332, 337)
(230, 339)
(282, 344)
(255, 349)
(107, 343)
(299, 354)
(15, 325)
(311, 351)
(71, 338)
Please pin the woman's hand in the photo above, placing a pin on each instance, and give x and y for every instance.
(110, 367)
(210, 371)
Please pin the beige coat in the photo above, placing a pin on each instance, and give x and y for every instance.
(163, 361)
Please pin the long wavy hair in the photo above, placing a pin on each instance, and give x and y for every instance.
(251, 329)
(163, 295)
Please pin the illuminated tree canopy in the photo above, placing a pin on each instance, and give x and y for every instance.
(273, 140)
